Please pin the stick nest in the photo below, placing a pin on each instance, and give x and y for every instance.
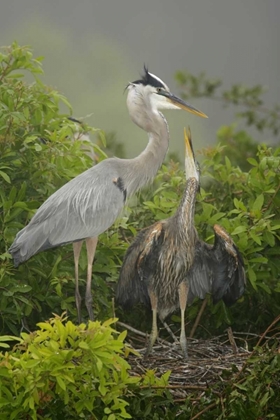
(209, 362)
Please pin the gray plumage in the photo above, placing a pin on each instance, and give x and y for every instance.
(167, 265)
(90, 203)
(80, 208)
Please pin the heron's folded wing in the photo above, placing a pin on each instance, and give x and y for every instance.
(84, 207)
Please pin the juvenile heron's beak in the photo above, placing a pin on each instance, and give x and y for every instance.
(191, 168)
(189, 153)
(180, 103)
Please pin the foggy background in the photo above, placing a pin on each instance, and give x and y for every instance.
(92, 49)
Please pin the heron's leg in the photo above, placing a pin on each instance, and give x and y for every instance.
(91, 247)
(154, 332)
(183, 297)
(77, 246)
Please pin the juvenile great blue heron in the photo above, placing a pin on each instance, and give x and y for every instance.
(167, 265)
(90, 203)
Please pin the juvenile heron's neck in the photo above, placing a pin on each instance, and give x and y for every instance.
(186, 209)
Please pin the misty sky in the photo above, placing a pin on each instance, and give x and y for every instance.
(93, 48)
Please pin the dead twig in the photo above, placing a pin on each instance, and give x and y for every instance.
(203, 411)
(199, 315)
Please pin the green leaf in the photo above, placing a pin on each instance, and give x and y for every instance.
(252, 161)
(5, 177)
(258, 203)
(252, 277)
(255, 237)
(84, 345)
(239, 229)
(61, 383)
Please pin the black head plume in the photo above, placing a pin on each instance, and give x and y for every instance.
(150, 79)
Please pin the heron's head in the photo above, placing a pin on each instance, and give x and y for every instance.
(150, 89)
(191, 166)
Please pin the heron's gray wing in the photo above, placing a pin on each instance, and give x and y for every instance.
(200, 275)
(84, 207)
(138, 267)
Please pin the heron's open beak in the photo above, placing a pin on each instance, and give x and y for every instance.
(181, 104)
(191, 167)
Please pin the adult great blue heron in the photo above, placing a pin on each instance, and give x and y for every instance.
(167, 265)
(90, 203)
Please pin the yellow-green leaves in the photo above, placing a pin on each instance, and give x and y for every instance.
(63, 368)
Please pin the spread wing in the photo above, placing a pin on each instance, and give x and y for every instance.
(229, 283)
(217, 269)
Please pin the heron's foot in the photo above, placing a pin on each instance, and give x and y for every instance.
(152, 339)
(184, 347)
(147, 352)
(90, 313)
(89, 307)
(78, 300)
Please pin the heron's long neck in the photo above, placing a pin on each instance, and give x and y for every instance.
(149, 161)
(185, 213)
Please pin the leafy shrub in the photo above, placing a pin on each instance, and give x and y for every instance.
(65, 371)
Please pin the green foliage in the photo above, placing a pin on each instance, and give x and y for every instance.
(112, 146)
(251, 203)
(66, 371)
(238, 145)
(256, 392)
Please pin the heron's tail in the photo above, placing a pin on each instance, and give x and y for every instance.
(28, 242)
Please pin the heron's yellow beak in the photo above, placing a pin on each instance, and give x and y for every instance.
(179, 103)
(188, 143)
